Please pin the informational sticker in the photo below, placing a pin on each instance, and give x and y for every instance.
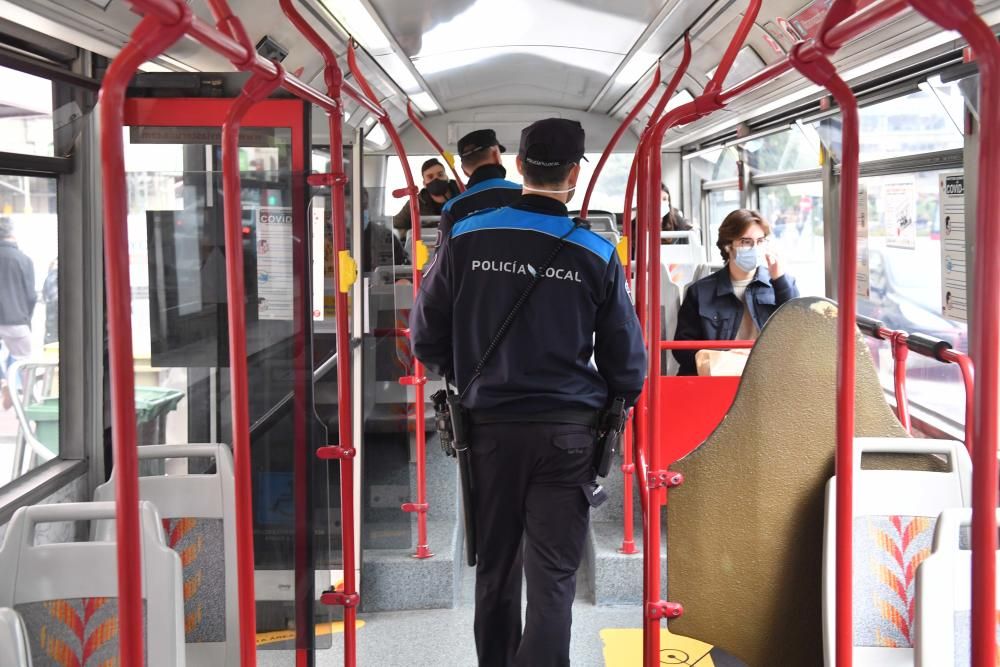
(899, 214)
(318, 258)
(863, 285)
(808, 20)
(954, 292)
(274, 263)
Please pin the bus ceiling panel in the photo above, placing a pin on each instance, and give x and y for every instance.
(907, 40)
(457, 46)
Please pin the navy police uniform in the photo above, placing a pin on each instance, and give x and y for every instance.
(574, 346)
(487, 187)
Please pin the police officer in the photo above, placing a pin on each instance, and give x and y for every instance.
(487, 188)
(534, 405)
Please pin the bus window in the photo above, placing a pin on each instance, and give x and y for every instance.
(795, 212)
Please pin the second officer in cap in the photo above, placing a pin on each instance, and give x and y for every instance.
(533, 378)
(480, 153)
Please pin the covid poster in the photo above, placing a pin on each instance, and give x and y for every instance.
(274, 263)
(899, 214)
(954, 293)
(863, 285)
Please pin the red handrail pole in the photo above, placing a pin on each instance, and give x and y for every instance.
(256, 89)
(964, 362)
(821, 71)
(585, 207)
(247, 59)
(733, 50)
(150, 38)
(418, 379)
(344, 451)
(445, 155)
(961, 15)
(900, 352)
(628, 467)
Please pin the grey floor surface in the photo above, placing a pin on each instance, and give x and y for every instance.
(443, 637)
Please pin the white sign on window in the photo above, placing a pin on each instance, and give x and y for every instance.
(863, 286)
(899, 214)
(954, 293)
(274, 263)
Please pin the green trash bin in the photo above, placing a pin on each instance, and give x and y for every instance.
(152, 404)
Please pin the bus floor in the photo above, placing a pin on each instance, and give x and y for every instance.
(429, 638)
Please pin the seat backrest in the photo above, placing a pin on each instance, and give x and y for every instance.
(199, 520)
(894, 515)
(14, 651)
(944, 595)
(602, 222)
(670, 305)
(67, 593)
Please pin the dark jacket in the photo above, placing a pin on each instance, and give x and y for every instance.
(428, 207)
(383, 247)
(580, 311)
(487, 188)
(17, 285)
(711, 311)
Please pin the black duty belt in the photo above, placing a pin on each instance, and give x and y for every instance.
(589, 418)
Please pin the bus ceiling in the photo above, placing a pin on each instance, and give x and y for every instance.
(461, 62)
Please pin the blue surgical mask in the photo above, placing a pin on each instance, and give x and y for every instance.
(749, 259)
(364, 219)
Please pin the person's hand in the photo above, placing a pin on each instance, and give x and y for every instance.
(774, 265)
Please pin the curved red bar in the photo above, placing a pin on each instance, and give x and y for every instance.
(411, 114)
(344, 450)
(616, 137)
(151, 37)
(256, 89)
(225, 45)
(961, 15)
(417, 378)
(739, 39)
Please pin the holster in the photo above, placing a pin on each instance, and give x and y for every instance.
(609, 436)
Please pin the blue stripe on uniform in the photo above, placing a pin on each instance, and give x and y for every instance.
(525, 221)
(488, 184)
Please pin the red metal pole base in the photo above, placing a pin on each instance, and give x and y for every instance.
(628, 548)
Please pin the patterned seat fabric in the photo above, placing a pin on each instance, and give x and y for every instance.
(888, 550)
(81, 632)
(200, 543)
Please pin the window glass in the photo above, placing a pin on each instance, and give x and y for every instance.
(920, 122)
(784, 151)
(29, 324)
(905, 287)
(711, 165)
(720, 204)
(25, 113)
(795, 212)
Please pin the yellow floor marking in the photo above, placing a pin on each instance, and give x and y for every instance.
(623, 648)
(322, 629)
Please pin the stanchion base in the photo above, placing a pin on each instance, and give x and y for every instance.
(628, 548)
(422, 552)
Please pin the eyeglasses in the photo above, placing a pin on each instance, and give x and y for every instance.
(747, 242)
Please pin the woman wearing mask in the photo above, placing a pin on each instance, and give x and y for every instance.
(673, 220)
(734, 302)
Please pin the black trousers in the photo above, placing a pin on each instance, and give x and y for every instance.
(534, 486)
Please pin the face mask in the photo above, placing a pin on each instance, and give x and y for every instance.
(749, 259)
(438, 187)
(569, 191)
(364, 219)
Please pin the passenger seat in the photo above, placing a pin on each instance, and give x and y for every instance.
(199, 519)
(14, 651)
(895, 511)
(944, 594)
(67, 593)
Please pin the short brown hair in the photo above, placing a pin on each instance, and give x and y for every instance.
(736, 225)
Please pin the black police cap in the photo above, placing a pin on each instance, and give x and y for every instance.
(477, 141)
(552, 142)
